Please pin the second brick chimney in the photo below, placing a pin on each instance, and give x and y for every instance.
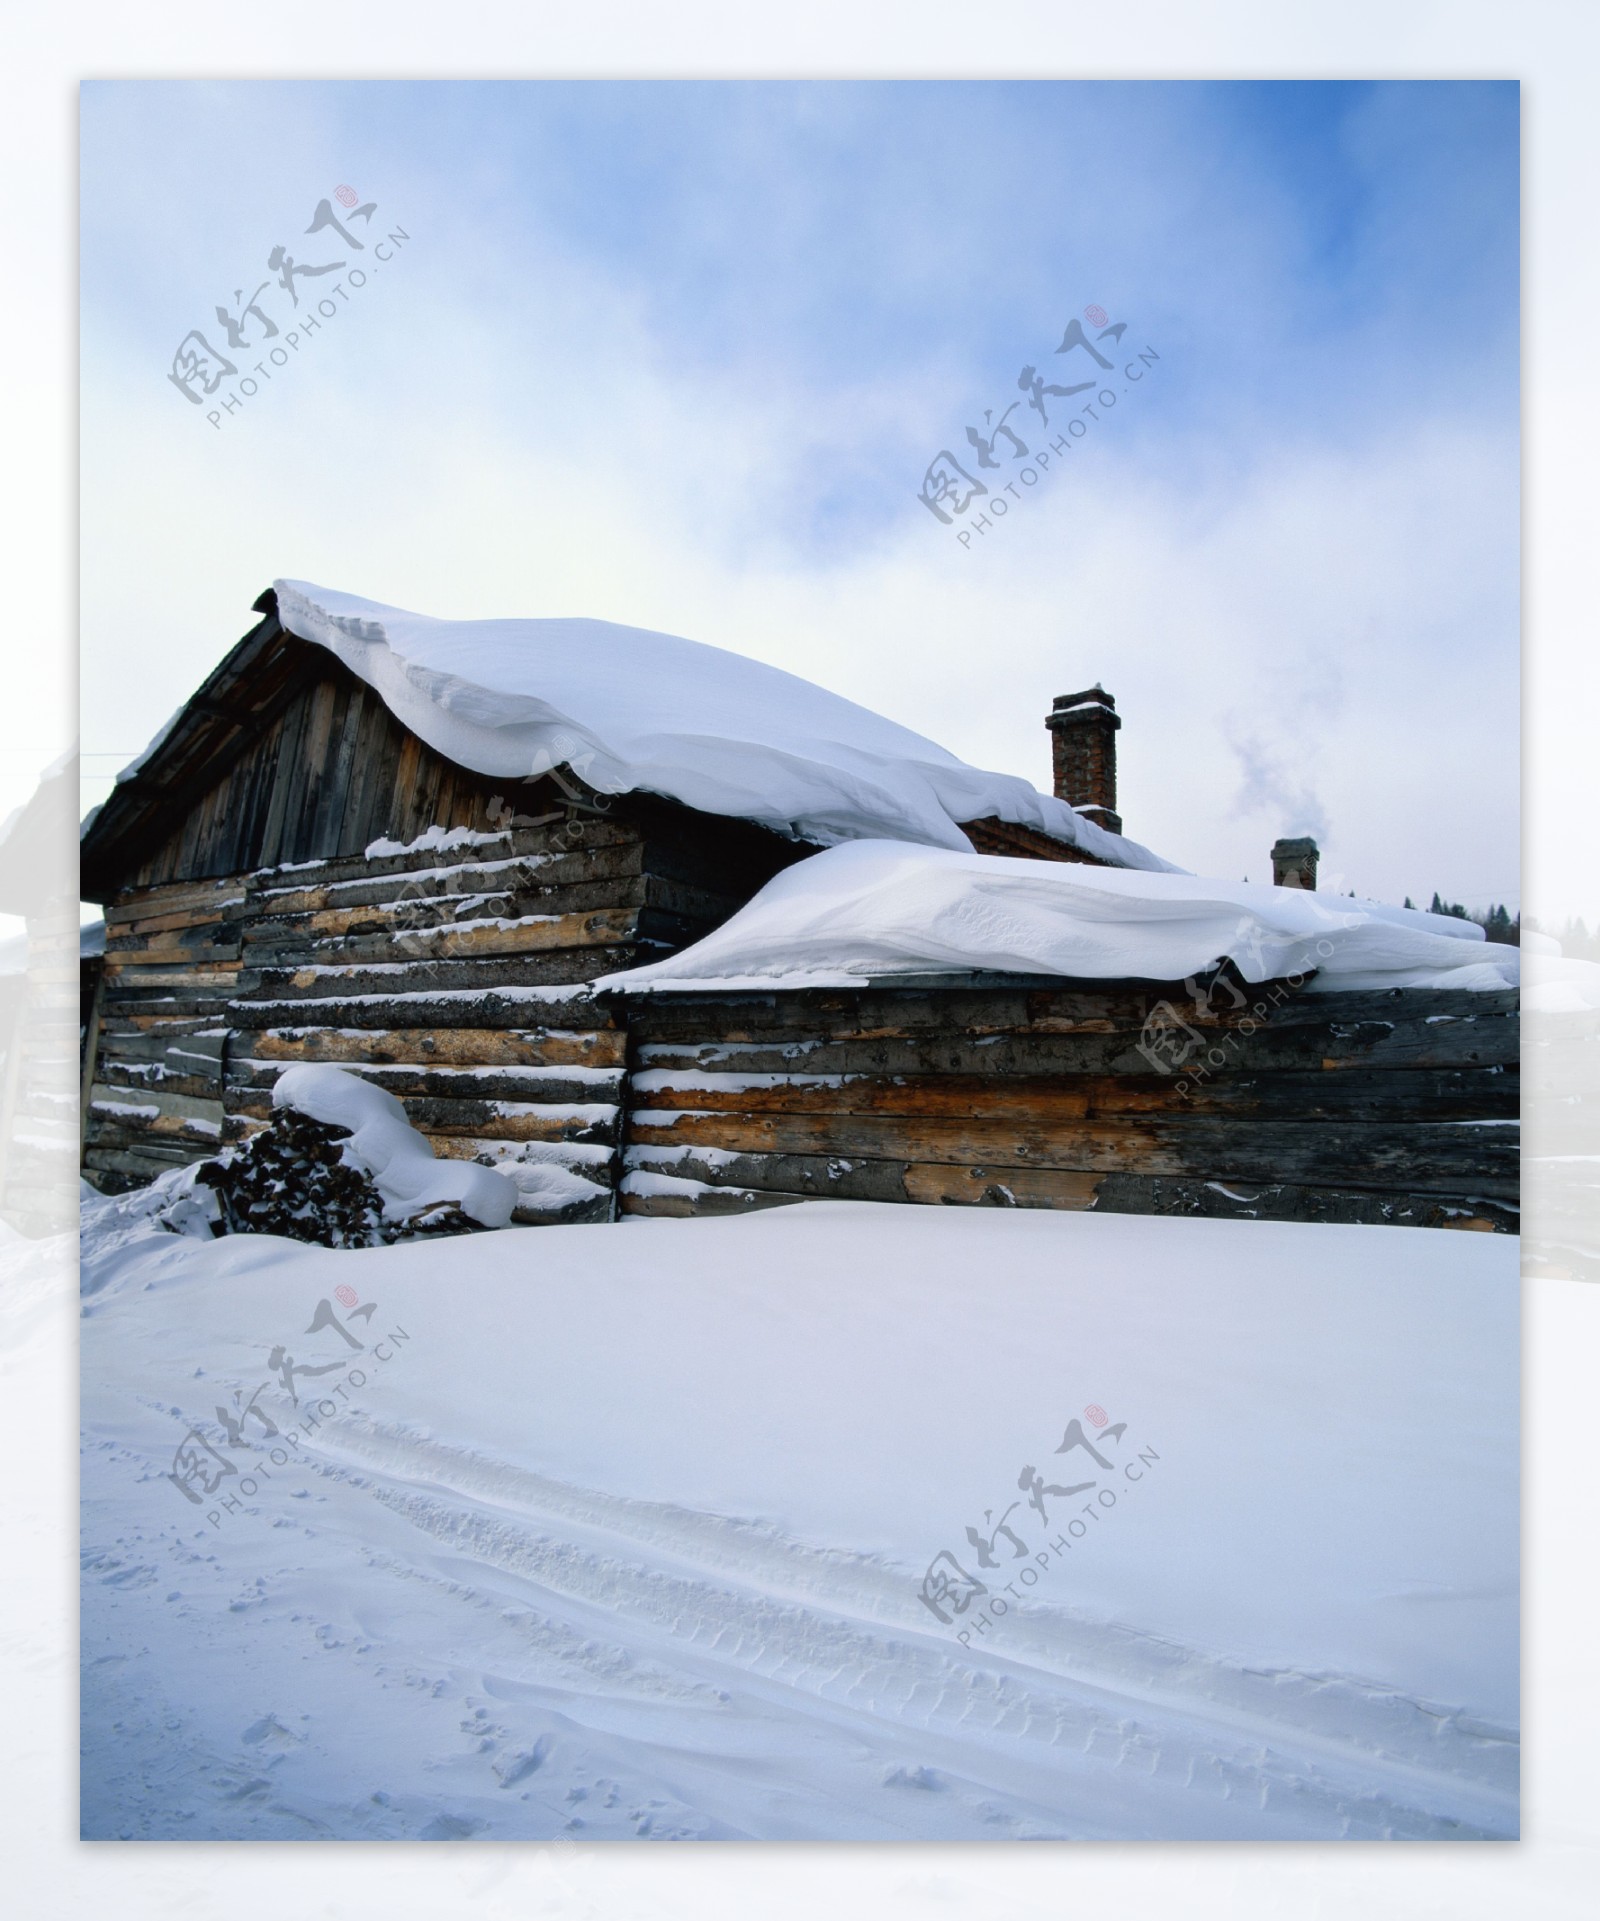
(1084, 739)
(1294, 864)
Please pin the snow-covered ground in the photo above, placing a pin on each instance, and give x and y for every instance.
(621, 1532)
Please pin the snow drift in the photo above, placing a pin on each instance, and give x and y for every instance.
(877, 908)
(628, 709)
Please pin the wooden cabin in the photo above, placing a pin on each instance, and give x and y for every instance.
(291, 874)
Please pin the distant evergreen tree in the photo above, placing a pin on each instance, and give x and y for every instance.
(1497, 922)
(1453, 908)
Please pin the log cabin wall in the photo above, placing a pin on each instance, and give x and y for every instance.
(1397, 1107)
(453, 972)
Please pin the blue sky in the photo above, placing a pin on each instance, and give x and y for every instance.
(678, 354)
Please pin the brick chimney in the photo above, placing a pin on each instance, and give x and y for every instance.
(1294, 864)
(1084, 727)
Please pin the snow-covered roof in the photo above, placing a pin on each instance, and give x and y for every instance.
(878, 908)
(628, 709)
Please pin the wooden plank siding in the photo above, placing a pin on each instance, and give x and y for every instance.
(1395, 1107)
(457, 976)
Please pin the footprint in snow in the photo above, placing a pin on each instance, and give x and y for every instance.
(914, 1778)
(270, 1732)
(512, 1768)
(450, 1827)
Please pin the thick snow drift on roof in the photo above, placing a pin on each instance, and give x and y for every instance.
(628, 709)
(879, 907)
(398, 1158)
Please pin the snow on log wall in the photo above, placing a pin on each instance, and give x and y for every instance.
(453, 973)
(457, 973)
(1394, 1107)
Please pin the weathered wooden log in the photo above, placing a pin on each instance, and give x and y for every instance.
(556, 1085)
(217, 921)
(1037, 1008)
(1424, 1157)
(573, 1213)
(440, 935)
(1025, 1053)
(509, 888)
(302, 934)
(590, 1160)
(124, 975)
(567, 1005)
(837, 1177)
(108, 1099)
(128, 1077)
(558, 835)
(440, 1046)
(170, 955)
(137, 1165)
(204, 898)
(1422, 1094)
(687, 1202)
(820, 1176)
(393, 980)
(181, 1040)
(159, 1013)
(446, 939)
(490, 868)
(488, 1119)
(118, 1127)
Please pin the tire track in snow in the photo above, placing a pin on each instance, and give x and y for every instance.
(735, 1604)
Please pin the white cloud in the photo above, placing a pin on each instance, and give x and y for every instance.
(506, 431)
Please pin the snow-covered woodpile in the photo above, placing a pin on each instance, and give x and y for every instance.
(340, 1164)
(292, 1179)
(1263, 1102)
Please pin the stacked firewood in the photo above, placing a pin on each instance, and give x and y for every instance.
(297, 1178)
